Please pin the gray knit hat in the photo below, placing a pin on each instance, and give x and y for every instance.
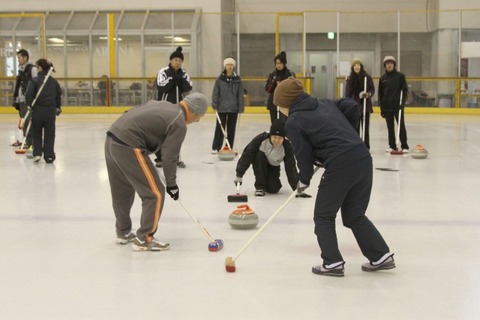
(197, 103)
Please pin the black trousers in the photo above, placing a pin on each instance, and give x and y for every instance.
(348, 190)
(43, 131)
(267, 177)
(390, 118)
(229, 120)
(367, 129)
(22, 113)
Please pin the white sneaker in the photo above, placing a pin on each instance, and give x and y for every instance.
(126, 238)
(214, 151)
(405, 150)
(388, 149)
(37, 158)
(153, 245)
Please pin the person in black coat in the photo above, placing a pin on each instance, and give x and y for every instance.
(389, 88)
(323, 131)
(44, 112)
(280, 73)
(355, 89)
(265, 153)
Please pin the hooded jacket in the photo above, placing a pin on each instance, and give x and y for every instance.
(227, 96)
(323, 130)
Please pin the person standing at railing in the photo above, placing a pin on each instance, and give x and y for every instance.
(280, 73)
(228, 101)
(391, 84)
(26, 72)
(356, 90)
(173, 83)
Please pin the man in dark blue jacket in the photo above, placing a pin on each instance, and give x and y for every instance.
(323, 131)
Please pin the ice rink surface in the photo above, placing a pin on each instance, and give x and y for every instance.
(59, 259)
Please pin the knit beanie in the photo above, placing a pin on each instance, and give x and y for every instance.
(287, 92)
(389, 59)
(278, 128)
(357, 60)
(229, 61)
(177, 54)
(282, 56)
(197, 103)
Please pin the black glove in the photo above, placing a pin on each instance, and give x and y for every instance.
(58, 111)
(16, 105)
(177, 78)
(174, 192)
(302, 195)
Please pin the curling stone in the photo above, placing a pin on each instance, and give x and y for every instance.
(226, 154)
(243, 218)
(419, 152)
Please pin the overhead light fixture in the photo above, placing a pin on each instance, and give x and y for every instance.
(56, 40)
(177, 39)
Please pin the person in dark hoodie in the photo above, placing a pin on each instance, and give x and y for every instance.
(280, 73)
(323, 131)
(265, 153)
(389, 88)
(131, 138)
(173, 83)
(228, 101)
(44, 112)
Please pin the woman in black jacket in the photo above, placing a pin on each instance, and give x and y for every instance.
(280, 73)
(47, 107)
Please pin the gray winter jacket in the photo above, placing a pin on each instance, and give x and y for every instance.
(227, 96)
(154, 126)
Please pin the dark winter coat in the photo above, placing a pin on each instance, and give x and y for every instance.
(353, 90)
(227, 96)
(389, 87)
(253, 148)
(25, 74)
(271, 84)
(168, 80)
(49, 100)
(324, 130)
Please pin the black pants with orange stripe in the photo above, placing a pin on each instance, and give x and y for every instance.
(131, 171)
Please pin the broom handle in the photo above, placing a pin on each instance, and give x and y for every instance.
(364, 107)
(209, 236)
(399, 118)
(223, 130)
(249, 242)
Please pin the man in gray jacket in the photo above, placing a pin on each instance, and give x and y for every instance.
(158, 125)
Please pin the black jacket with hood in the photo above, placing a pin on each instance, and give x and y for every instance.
(323, 130)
